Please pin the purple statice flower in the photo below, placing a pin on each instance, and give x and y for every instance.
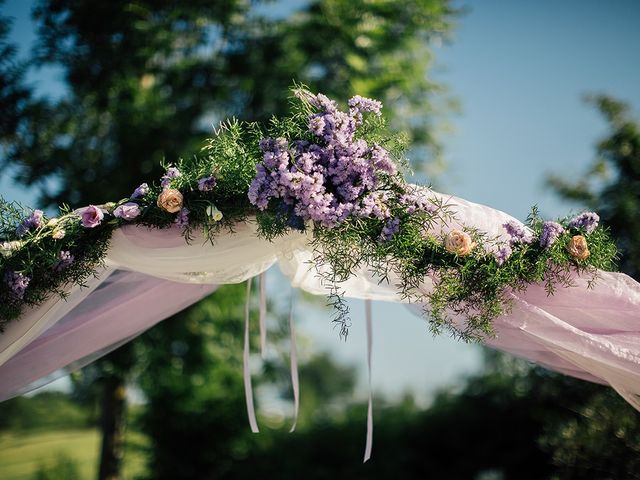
(587, 220)
(206, 184)
(316, 125)
(327, 180)
(127, 211)
(551, 231)
(502, 254)
(172, 172)
(66, 259)
(17, 282)
(415, 200)
(32, 221)
(517, 232)
(358, 105)
(141, 191)
(182, 219)
(391, 227)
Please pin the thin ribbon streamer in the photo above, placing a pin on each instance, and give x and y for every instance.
(369, 444)
(294, 367)
(248, 390)
(263, 314)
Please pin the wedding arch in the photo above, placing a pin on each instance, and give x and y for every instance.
(321, 193)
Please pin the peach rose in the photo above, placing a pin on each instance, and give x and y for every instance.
(170, 200)
(459, 243)
(578, 247)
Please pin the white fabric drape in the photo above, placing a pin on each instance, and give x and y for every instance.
(151, 274)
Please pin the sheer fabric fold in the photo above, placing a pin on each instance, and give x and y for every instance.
(150, 274)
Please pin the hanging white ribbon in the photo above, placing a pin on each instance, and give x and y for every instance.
(294, 367)
(248, 390)
(263, 314)
(369, 444)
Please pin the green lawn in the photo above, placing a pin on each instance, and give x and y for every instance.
(22, 453)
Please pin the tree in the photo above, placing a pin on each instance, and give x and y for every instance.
(145, 80)
(603, 441)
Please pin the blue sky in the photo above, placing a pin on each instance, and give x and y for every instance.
(519, 70)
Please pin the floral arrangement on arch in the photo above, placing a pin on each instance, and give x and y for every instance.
(338, 174)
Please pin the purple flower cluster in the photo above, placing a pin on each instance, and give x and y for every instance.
(328, 180)
(66, 259)
(18, 283)
(503, 254)
(415, 201)
(517, 232)
(172, 172)
(391, 227)
(587, 220)
(141, 191)
(182, 219)
(551, 231)
(207, 184)
(32, 221)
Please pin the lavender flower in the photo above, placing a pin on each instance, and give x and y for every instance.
(391, 227)
(551, 231)
(32, 221)
(503, 254)
(141, 191)
(182, 219)
(172, 172)
(206, 184)
(587, 220)
(18, 283)
(66, 259)
(518, 233)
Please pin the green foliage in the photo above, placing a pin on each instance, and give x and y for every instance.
(64, 468)
(46, 410)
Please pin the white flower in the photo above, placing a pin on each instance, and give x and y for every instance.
(214, 213)
(53, 222)
(7, 248)
(58, 234)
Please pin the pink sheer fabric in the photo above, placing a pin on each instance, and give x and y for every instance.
(592, 334)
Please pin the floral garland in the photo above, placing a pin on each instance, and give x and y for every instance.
(336, 173)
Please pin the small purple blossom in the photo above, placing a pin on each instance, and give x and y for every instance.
(358, 105)
(316, 125)
(66, 259)
(91, 216)
(391, 227)
(587, 220)
(32, 221)
(127, 211)
(141, 191)
(172, 172)
(17, 282)
(502, 254)
(182, 219)
(206, 184)
(551, 231)
(518, 233)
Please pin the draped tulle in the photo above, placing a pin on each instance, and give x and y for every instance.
(593, 334)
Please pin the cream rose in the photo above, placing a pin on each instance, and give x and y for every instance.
(170, 200)
(578, 248)
(459, 243)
